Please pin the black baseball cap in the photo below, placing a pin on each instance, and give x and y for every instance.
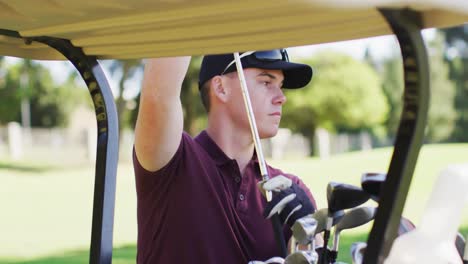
(296, 75)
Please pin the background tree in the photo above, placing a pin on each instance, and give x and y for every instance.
(441, 107)
(122, 71)
(344, 94)
(10, 97)
(194, 113)
(50, 104)
(456, 44)
(392, 85)
(442, 114)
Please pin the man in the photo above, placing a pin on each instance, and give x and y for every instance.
(198, 200)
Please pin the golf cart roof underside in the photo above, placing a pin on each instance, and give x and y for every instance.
(84, 31)
(146, 28)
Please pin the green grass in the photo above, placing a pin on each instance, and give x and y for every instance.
(121, 255)
(46, 208)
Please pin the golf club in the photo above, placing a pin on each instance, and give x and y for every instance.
(405, 226)
(302, 257)
(304, 230)
(465, 254)
(460, 245)
(352, 218)
(277, 228)
(321, 217)
(372, 182)
(357, 252)
(340, 196)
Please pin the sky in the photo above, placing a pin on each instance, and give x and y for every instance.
(379, 47)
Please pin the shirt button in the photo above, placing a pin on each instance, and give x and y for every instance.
(241, 197)
(237, 179)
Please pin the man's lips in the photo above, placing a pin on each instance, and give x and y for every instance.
(276, 114)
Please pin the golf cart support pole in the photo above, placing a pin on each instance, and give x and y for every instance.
(406, 25)
(107, 143)
(275, 221)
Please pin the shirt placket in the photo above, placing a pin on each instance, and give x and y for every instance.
(240, 189)
(248, 181)
(242, 195)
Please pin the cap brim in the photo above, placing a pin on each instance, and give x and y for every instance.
(296, 75)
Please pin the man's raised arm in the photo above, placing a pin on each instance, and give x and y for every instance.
(159, 125)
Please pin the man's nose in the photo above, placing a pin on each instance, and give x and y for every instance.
(279, 98)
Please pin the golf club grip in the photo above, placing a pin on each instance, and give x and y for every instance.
(278, 230)
(326, 237)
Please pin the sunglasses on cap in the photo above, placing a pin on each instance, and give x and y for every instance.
(263, 55)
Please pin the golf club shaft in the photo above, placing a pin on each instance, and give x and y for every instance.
(333, 254)
(250, 115)
(336, 239)
(326, 237)
(277, 228)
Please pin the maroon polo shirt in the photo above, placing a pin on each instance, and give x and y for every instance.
(199, 208)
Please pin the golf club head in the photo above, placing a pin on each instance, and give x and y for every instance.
(460, 245)
(372, 182)
(304, 229)
(321, 217)
(356, 217)
(353, 218)
(405, 226)
(357, 252)
(302, 257)
(344, 196)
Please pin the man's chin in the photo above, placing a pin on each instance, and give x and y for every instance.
(268, 134)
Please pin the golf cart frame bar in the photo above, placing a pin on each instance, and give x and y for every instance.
(406, 26)
(107, 143)
(107, 146)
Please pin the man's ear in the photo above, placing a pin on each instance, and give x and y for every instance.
(220, 91)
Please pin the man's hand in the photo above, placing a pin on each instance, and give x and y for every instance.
(289, 200)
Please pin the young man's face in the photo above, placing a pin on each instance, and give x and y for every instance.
(266, 96)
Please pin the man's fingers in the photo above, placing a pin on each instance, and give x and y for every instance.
(281, 204)
(276, 184)
(297, 208)
(275, 260)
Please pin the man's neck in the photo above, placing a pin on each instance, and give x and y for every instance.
(235, 144)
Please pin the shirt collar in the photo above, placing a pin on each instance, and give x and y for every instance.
(216, 153)
(212, 148)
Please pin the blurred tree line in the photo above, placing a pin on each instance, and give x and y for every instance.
(28, 83)
(442, 110)
(345, 95)
(456, 56)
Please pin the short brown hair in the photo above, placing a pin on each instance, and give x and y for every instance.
(205, 95)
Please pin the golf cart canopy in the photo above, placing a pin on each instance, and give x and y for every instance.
(121, 29)
(84, 31)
